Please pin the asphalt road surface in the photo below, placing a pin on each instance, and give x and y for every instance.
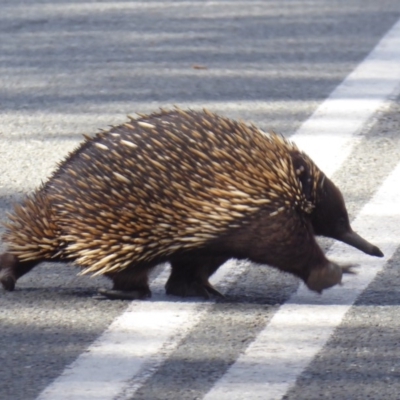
(327, 74)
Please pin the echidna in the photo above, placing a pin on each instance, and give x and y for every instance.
(192, 188)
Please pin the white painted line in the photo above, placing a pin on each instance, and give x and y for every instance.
(302, 326)
(135, 338)
(344, 113)
(102, 372)
(110, 362)
(142, 336)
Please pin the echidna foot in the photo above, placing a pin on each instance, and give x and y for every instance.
(348, 269)
(7, 280)
(138, 294)
(326, 277)
(191, 289)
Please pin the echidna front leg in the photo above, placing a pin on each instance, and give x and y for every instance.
(129, 284)
(190, 274)
(11, 269)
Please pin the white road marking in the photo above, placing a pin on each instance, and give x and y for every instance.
(142, 336)
(302, 326)
(110, 362)
(135, 338)
(329, 135)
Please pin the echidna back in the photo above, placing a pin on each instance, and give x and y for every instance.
(162, 183)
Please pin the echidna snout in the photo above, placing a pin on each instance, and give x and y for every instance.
(330, 219)
(354, 239)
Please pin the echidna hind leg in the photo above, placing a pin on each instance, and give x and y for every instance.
(129, 284)
(190, 274)
(11, 269)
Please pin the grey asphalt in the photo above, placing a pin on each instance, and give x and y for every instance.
(68, 68)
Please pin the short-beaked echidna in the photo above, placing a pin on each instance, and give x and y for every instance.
(192, 188)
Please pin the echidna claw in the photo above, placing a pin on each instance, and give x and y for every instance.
(202, 292)
(211, 290)
(206, 290)
(349, 269)
(192, 289)
(124, 294)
